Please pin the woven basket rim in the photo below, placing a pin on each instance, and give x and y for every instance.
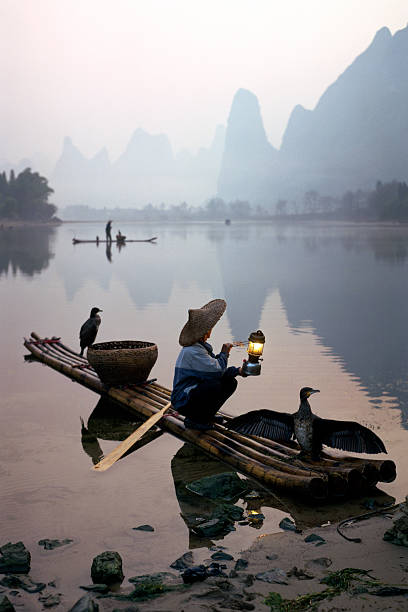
(107, 346)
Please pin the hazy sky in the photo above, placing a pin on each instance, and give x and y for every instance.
(98, 69)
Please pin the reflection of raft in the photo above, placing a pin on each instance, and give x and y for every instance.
(121, 241)
(273, 464)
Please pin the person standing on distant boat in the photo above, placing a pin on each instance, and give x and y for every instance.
(108, 231)
(202, 381)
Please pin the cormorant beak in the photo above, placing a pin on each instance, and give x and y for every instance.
(314, 391)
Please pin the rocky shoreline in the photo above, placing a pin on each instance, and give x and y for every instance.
(314, 569)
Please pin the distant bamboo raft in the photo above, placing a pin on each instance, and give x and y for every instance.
(122, 241)
(273, 464)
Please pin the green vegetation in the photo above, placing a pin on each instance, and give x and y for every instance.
(338, 582)
(25, 197)
(387, 202)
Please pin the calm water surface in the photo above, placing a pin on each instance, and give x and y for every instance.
(331, 301)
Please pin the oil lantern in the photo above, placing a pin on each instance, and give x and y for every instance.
(256, 343)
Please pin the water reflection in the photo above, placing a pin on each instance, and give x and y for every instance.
(348, 289)
(190, 464)
(345, 284)
(25, 249)
(108, 421)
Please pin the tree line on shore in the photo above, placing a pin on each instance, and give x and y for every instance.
(387, 202)
(25, 197)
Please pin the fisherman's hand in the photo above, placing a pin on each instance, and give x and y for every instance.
(242, 371)
(226, 348)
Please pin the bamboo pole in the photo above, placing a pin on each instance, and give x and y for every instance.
(337, 473)
(314, 487)
(130, 441)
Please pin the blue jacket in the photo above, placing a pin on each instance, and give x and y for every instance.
(194, 364)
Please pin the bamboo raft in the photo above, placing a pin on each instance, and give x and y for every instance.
(274, 464)
(123, 241)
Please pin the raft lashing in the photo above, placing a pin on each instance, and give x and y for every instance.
(273, 464)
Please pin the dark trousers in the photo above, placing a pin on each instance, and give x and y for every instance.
(207, 398)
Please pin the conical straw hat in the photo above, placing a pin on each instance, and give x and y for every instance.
(201, 320)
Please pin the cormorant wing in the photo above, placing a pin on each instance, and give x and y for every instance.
(348, 436)
(264, 423)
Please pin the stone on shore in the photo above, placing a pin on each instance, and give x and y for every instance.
(398, 533)
(85, 604)
(22, 582)
(107, 568)
(14, 559)
(51, 544)
(227, 485)
(183, 562)
(6, 605)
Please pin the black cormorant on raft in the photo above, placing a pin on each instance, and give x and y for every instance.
(89, 330)
(310, 431)
(273, 464)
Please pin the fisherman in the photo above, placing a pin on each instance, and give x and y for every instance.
(202, 381)
(108, 231)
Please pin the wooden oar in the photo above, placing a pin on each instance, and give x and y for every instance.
(124, 446)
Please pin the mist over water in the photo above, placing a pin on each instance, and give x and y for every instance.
(329, 299)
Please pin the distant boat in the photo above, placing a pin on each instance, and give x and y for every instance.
(227, 221)
(124, 239)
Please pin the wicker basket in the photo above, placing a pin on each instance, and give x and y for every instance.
(123, 362)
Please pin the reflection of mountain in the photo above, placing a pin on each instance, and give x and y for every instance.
(148, 271)
(25, 249)
(351, 291)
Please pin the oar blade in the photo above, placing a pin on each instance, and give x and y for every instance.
(125, 445)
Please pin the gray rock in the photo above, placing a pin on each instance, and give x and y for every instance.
(276, 575)
(85, 604)
(221, 556)
(14, 559)
(143, 528)
(288, 525)
(50, 600)
(241, 564)
(210, 529)
(299, 574)
(95, 588)
(227, 485)
(183, 562)
(6, 605)
(22, 582)
(51, 544)
(164, 578)
(398, 533)
(107, 568)
(313, 537)
(322, 561)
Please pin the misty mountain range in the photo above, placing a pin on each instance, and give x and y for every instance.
(357, 134)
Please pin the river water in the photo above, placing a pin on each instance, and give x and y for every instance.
(331, 301)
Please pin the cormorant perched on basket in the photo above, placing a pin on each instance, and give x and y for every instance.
(310, 431)
(89, 329)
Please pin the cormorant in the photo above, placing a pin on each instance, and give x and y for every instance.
(310, 430)
(89, 329)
